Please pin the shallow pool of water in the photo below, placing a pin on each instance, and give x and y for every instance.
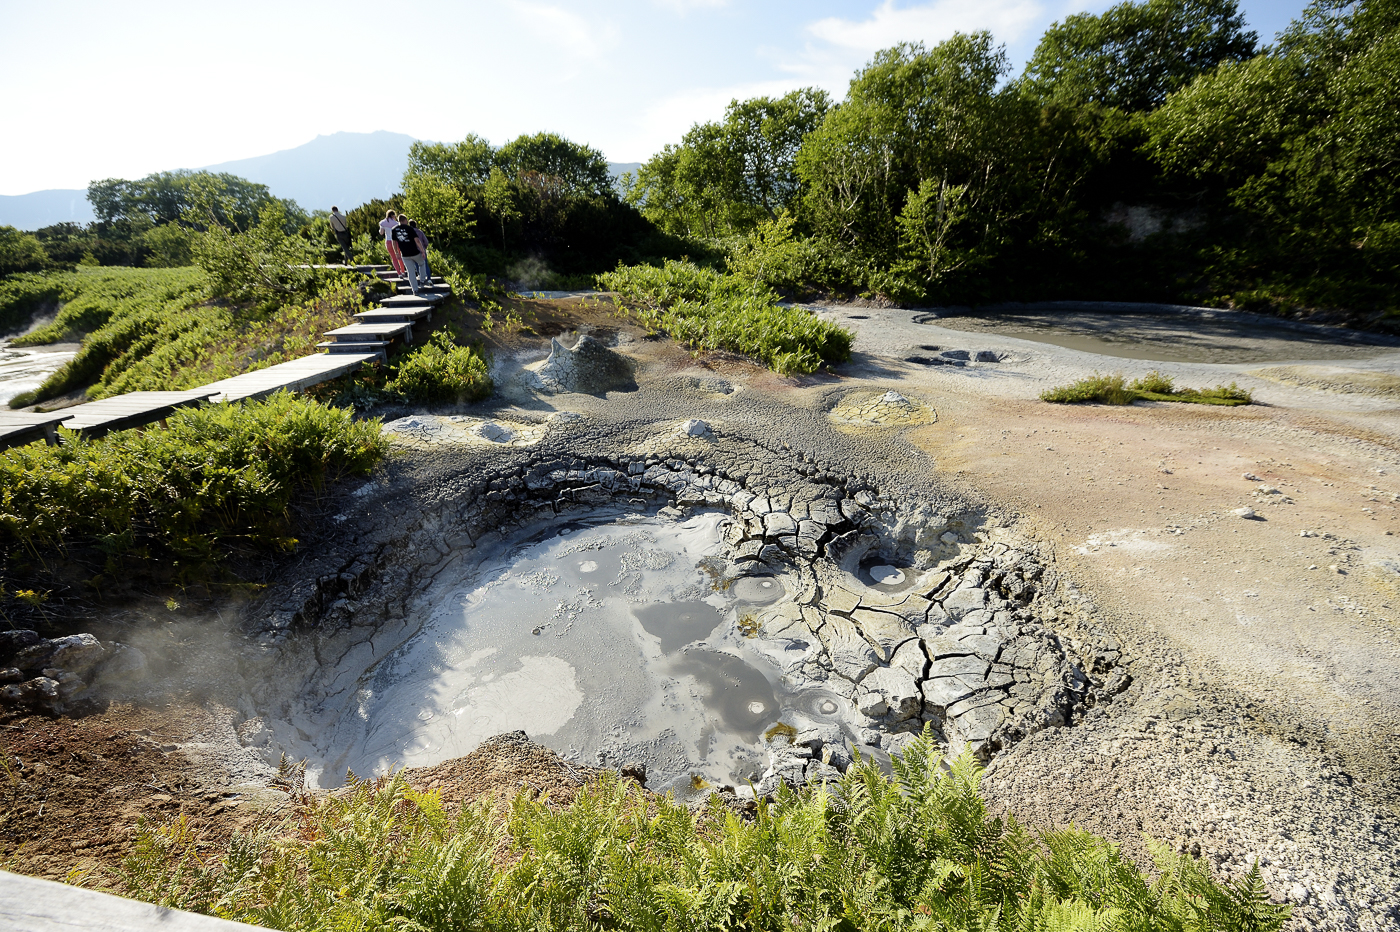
(1169, 337)
(23, 369)
(604, 640)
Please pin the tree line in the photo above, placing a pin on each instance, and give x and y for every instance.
(1152, 152)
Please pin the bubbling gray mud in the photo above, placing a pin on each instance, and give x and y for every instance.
(606, 638)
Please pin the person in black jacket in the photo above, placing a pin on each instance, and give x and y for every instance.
(341, 228)
(415, 263)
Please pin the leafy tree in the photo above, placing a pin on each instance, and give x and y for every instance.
(572, 168)
(440, 207)
(169, 197)
(728, 177)
(1305, 143)
(1135, 54)
(20, 252)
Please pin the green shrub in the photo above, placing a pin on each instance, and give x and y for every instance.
(220, 475)
(1154, 383)
(440, 370)
(20, 252)
(1105, 389)
(1114, 390)
(916, 851)
(709, 310)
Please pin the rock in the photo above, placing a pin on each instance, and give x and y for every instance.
(1251, 477)
(11, 675)
(987, 356)
(891, 694)
(76, 652)
(253, 733)
(12, 642)
(590, 368)
(697, 429)
(819, 772)
(1244, 512)
(40, 694)
(635, 771)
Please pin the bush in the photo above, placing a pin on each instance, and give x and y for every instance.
(709, 310)
(20, 252)
(440, 370)
(220, 475)
(1114, 390)
(916, 851)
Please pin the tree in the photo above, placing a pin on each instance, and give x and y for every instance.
(168, 197)
(1135, 54)
(20, 252)
(728, 177)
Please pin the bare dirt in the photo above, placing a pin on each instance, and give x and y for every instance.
(1264, 719)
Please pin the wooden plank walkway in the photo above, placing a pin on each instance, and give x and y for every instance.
(21, 427)
(130, 410)
(386, 315)
(292, 376)
(366, 339)
(372, 331)
(28, 904)
(412, 300)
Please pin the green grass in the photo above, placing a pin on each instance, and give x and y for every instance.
(916, 851)
(709, 310)
(157, 330)
(1115, 390)
(221, 476)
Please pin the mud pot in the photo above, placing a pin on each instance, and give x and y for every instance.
(1155, 620)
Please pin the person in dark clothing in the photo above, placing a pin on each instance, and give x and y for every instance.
(423, 245)
(415, 264)
(341, 228)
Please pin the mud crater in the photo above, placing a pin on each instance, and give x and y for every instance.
(792, 617)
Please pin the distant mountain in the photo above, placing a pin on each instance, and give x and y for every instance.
(44, 208)
(342, 169)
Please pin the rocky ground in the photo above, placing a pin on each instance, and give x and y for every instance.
(1218, 584)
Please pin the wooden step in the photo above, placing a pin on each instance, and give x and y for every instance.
(396, 314)
(377, 348)
(372, 331)
(412, 300)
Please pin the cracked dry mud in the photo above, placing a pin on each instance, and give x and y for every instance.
(1066, 592)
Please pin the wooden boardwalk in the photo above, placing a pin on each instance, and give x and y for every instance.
(21, 427)
(350, 347)
(130, 410)
(291, 376)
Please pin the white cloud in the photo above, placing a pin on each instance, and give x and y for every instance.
(837, 48)
(575, 35)
(928, 22)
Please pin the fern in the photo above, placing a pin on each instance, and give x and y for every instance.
(915, 851)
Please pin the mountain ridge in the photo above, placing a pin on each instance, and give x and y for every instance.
(340, 169)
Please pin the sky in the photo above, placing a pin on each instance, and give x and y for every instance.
(103, 89)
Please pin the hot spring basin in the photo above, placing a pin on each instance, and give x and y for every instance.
(604, 640)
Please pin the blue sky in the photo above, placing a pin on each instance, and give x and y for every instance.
(123, 89)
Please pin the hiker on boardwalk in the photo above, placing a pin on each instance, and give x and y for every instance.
(386, 226)
(406, 238)
(341, 228)
(423, 245)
